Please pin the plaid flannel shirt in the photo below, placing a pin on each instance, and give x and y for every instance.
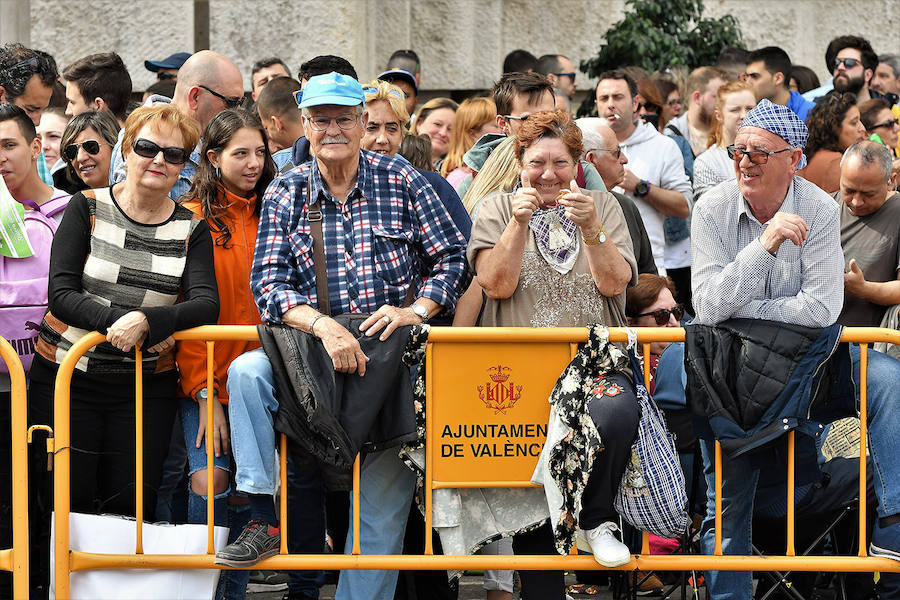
(391, 232)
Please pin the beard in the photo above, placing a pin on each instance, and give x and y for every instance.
(844, 83)
(707, 117)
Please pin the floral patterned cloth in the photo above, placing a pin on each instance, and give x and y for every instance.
(573, 441)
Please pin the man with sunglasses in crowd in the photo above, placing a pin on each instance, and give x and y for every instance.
(767, 246)
(207, 84)
(560, 71)
(853, 66)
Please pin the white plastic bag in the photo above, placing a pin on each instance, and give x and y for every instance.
(111, 534)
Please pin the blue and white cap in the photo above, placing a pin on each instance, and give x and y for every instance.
(332, 88)
(781, 121)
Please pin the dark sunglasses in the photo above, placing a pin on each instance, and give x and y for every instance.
(890, 123)
(229, 102)
(661, 316)
(172, 155)
(757, 157)
(849, 63)
(572, 75)
(92, 147)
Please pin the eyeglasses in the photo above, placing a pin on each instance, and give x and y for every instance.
(229, 102)
(757, 157)
(172, 155)
(661, 316)
(572, 75)
(848, 63)
(674, 102)
(323, 123)
(372, 90)
(92, 147)
(890, 123)
(523, 118)
(615, 152)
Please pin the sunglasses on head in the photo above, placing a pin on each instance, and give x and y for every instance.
(367, 91)
(661, 316)
(92, 147)
(230, 103)
(172, 155)
(848, 63)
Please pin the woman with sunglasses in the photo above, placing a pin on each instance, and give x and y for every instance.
(86, 147)
(834, 125)
(880, 121)
(713, 166)
(132, 264)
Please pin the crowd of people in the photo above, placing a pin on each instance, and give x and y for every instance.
(742, 195)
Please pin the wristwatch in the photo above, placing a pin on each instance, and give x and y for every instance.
(202, 395)
(596, 239)
(642, 188)
(420, 311)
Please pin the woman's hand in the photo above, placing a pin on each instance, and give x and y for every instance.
(163, 346)
(580, 209)
(220, 436)
(525, 201)
(128, 331)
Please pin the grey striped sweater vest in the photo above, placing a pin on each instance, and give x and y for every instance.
(130, 266)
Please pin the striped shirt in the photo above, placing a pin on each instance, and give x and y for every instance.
(127, 266)
(391, 232)
(733, 276)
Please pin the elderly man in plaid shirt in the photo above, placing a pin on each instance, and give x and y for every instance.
(383, 226)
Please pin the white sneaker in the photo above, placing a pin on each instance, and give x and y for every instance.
(607, 549)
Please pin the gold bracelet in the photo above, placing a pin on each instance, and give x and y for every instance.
(596, 239)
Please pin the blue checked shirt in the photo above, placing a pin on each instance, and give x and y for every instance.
(732, 275)
(391, 232)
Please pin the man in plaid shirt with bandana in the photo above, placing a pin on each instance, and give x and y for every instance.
(384, 230)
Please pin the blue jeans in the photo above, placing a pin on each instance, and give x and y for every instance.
(196, 458)
(739, 479)
(251, 411)
(386, 487)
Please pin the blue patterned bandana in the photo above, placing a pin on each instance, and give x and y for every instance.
(781, 121)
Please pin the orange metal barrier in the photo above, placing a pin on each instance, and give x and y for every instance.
(506, 363)
(15, 559)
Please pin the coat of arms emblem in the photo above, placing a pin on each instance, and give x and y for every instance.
(499, 394)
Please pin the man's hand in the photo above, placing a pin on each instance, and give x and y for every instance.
(854, 280)
(781, 227)
(388, 318)
(630, 182)
(344, 349)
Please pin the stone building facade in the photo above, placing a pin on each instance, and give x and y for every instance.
(461, 42)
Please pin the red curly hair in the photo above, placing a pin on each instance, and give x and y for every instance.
(549, 124)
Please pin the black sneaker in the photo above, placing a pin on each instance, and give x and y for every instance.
(267, 581)
(257, 541)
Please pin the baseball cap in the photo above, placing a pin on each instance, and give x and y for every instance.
(394, 74)
(332, 88)
(171, 62)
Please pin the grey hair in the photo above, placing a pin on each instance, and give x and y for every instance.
(304, 112)
(870, 153)
(891, 60)
(590, 137)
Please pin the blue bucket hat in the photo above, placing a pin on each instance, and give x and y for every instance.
(781, 121)
(332, 88)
